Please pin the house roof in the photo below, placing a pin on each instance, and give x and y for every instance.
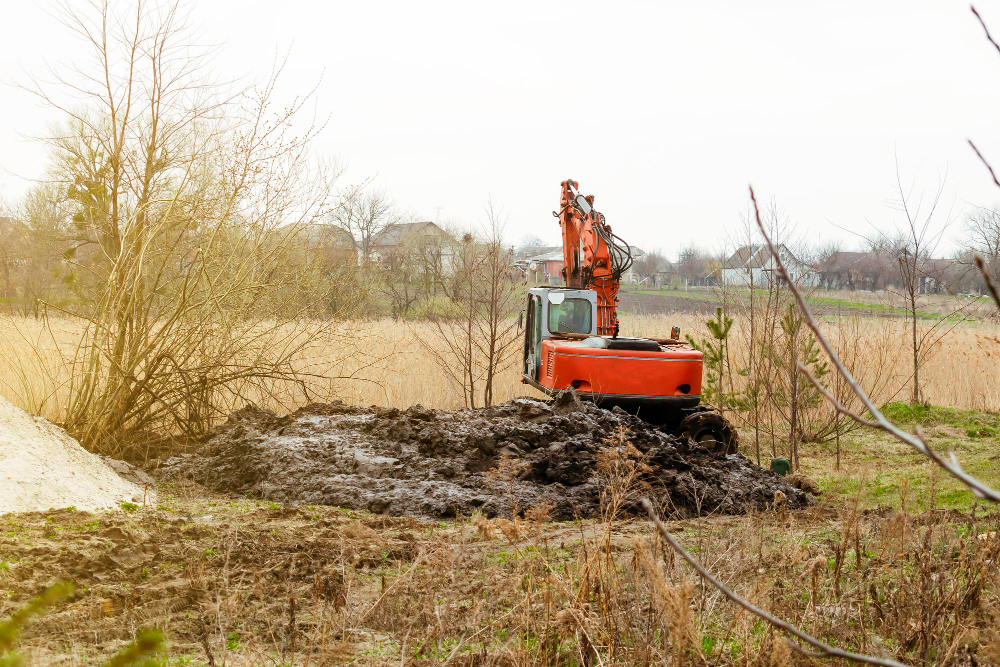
(323, 233)
(743, 258)
(552, 256)
(843, 260)
(527, 251)
(756, 257)
(395, 233)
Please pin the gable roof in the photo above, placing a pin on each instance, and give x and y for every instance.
(395, 233)
(551, 256)
(844, 260)
(524, 252)
(322, 234)
(757, 257)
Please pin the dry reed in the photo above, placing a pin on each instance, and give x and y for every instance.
(382, 363)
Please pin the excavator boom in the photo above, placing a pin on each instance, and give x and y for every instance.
(593, 257)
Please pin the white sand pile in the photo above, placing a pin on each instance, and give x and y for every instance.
(41, 468)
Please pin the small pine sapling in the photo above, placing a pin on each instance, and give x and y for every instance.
(716, 359)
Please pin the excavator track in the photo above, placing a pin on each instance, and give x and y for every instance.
(703, 424)
(710, 429)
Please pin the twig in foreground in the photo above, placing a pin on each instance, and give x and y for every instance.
(983, 160)
(990, 285)
(824, 649)
(953, 467)
(983, 23)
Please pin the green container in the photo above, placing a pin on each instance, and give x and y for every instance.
(781, 466)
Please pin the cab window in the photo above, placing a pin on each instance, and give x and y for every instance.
(570, 316)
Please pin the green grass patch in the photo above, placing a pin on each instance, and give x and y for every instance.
(973, 422)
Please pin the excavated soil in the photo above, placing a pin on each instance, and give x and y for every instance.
(442, 463)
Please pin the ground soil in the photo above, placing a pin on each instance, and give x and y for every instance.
(249, 582)
(191, 566)
(639, 303)
(497, 461)
(241, 581)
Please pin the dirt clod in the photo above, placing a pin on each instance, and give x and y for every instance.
(807, 484)
(442, 463)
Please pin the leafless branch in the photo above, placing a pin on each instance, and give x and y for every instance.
(987, 30)
(992, 173)
(824, 650)
(916, 441)
(990, 285)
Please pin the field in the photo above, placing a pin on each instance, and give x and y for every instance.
(382, 363)
(882, 303)
(894, 556)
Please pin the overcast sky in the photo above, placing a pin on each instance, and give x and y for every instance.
(663, 110)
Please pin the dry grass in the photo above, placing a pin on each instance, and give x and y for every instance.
(249, 582)
(892, 560)
(382, 363)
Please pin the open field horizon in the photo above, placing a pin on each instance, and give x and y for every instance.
(386, 365)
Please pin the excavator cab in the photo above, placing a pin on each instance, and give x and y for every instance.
(553, 311)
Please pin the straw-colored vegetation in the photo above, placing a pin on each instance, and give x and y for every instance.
(895, 559)
(382, 363)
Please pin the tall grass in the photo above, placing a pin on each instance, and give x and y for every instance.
(382, 363)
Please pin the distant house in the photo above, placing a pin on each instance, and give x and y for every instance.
(544, 268)
(754, 265)
(426, 241)
(544, 264)
(631, 276)
(523, 253)
(940, 275)
(846, 270)
(333, 241)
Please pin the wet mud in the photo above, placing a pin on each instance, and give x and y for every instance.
(505, 459)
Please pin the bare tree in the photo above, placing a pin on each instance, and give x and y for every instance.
(10, 232)
(365, 214)
(692, 264)
(649, 266)
(479, 333)
(186, 203)
(498, 292)
(827, 256)
(982, 235)
(914, 246)
(531, 241)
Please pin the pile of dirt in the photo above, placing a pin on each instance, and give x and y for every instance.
(439, 463)
(41, 467)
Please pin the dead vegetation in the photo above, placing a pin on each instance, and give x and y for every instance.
(252, 582)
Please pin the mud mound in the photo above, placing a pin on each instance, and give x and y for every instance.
(41, 467)
(438, 463)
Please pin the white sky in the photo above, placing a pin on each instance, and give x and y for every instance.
(664, 110)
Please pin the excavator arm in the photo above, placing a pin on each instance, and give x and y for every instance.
(593, 257)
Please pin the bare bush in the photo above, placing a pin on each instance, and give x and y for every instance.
(192, 237)
(477, 330)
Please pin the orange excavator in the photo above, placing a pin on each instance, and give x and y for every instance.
(571, 337)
